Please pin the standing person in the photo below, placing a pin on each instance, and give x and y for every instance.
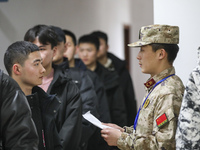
(56, 81)
(156, 121)
(85, 85)
(71, 42)
(187, 134)
(113, 63)
(88, 47)
(23, 63)
(17, 127)
(96, 141)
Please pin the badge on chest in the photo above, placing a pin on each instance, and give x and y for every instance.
(146, 103)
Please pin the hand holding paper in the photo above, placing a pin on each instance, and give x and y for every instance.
(88, 116)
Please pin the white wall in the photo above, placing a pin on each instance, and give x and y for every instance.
(185, 14)
(80, 16)
(141, 15)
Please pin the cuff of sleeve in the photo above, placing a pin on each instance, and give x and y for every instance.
(125, 141)
(128, 129)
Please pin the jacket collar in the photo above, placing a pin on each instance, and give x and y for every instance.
(64, 64)
(80, 64)
(48, 102)
(61, 76)
(119, 64)
(152, 81)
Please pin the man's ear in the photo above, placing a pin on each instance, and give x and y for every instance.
(54, 50)
(16, 69)
(107, 47)
(77, 49)
(161, 53)
(65, 47)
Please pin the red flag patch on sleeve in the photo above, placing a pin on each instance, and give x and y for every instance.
(162, 120)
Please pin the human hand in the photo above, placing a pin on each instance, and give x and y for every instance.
(114, 126)
(111, 135)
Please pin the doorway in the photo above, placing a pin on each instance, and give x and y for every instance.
(126, 48)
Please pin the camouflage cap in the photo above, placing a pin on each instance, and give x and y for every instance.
(164, 34)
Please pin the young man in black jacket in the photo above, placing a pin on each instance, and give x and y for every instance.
(103, 109)
(17, 129)
(113, 63)
(85, 85)
(96, 141)
(24, 64)
(57, 81)
(88, 47)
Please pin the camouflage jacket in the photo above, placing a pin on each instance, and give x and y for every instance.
(188, 129)
(157, 121)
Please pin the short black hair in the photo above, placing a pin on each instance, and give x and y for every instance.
(72, 35)
(18, 52)
(46, 35)
(101, 35)
(60, 33)
(89, 39)
(171, 49)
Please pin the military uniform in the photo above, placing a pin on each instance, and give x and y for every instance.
(157, 120)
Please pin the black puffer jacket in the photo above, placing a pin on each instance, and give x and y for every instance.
(125, 82)
(103, 108)
(96, 142)
(44, 108)
(88, 97)
(114, 94)
(69, 117)
(17, 127)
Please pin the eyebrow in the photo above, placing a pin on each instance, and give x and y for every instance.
(41, 46)
(37, 60)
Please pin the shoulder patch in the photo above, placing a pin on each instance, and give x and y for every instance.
(162, 120)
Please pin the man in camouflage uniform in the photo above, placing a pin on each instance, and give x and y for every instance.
(155, 124)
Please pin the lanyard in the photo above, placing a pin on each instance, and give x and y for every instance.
(136, 118)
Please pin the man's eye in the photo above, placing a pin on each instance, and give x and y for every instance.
(41, 49)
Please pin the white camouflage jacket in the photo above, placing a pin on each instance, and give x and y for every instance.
(188, 130)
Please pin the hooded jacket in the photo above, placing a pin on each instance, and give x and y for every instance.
(126, 83)
(17, 127)
(69, 116)
(44, 108)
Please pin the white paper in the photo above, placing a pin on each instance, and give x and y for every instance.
(88, 116)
